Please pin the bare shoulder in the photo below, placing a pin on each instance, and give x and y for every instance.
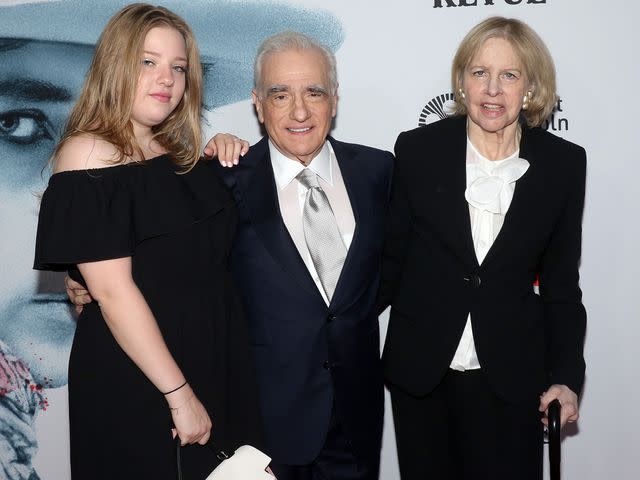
(82, 152)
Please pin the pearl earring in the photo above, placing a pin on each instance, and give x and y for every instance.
(525, 100)
(461, 93)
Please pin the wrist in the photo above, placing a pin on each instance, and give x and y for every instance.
(175, 410)
(179, 397)
(175, 389)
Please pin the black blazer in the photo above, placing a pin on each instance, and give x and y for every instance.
(432, 279)
(308, 355)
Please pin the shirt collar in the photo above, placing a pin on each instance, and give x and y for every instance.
(285, 169)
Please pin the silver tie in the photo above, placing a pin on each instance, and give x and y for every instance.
(321, 233)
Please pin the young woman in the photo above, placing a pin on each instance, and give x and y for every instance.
(133, 216)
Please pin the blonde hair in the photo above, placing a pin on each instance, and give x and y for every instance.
(104, 106)
(530, 49)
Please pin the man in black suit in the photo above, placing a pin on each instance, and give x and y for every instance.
(315, 340)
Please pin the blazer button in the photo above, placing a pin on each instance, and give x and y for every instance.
(474, 280)
(330, 318)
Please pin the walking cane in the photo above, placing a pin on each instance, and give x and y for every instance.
(553, 434)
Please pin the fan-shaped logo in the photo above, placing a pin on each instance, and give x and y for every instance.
(437, 108)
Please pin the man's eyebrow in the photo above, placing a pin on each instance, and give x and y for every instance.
(277, 89)
(27, 89)
(286, 88)
(316, 89)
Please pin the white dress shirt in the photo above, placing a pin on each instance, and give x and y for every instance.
(490, 188)
(291, 197)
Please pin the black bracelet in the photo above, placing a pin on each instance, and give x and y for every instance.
(176, 389)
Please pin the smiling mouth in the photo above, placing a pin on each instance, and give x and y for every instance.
(299, 130)
(491, 107)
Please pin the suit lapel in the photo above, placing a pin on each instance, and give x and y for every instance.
(350, 170)
(264, 210)
(524, 196)
(451, 187)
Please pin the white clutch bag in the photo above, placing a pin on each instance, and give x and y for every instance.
(246, 463)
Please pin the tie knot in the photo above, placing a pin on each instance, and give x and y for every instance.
(308, 178)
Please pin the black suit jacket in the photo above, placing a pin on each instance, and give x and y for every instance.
(310, 356)
(433, 280)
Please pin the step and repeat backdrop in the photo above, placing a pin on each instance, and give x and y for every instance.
(394, 61)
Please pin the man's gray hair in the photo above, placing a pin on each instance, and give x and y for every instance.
(286, 41)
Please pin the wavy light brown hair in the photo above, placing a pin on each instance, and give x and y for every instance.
(104, 106)
(530, 49)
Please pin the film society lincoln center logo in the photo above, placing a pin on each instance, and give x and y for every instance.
(443, 106)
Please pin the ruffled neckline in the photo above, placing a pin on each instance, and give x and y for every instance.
(490, 183)
(107, 212)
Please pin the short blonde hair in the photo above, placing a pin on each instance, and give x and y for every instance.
(530, 49)
(106, 99)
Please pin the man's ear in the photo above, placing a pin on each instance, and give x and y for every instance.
(334, 102)
(257, 104)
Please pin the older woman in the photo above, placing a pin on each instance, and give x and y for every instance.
(484, 203)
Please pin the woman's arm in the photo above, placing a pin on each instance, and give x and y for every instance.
(565, 316)
(134, 327)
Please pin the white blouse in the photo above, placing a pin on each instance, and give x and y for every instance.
(490, 188)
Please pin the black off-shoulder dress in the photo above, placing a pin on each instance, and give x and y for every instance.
(178, 231)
